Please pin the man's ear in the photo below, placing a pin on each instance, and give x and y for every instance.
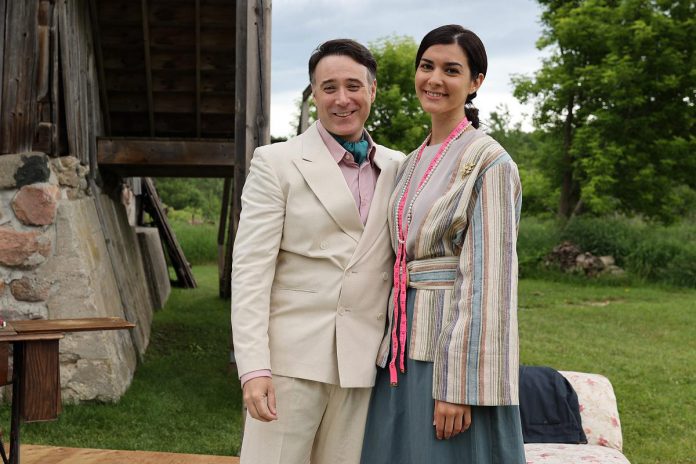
(373, 91)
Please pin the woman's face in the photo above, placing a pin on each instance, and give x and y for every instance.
(444, 80)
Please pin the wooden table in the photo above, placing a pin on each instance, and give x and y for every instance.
(36, 367)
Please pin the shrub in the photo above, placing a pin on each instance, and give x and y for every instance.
(601, 236)
(662, 258)
(536, 239)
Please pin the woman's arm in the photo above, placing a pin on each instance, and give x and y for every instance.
(476, 357)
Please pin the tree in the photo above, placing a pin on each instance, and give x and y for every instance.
(618, 92)
(200, 194)
(397, 119)
(541, 193)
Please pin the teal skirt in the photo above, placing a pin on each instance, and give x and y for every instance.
(400, 427)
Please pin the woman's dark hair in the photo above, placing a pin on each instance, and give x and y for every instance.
(344, 47)
(472, 47)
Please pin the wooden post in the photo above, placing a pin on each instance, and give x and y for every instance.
(252, 106)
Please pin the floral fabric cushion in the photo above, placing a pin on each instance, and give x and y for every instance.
(598, 410)
(553, 453)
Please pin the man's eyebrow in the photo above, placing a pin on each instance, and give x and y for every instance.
(349, 80)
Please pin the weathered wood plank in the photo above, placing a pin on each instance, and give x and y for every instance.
(36, 454)
(153, 205)
(82, 110)
(70, 325)
(96, 36)
(157, 157)
(252, 104)
(127, 13)
(40, 401)
(3, 10)
(169, 61)
(19, 112)
(179, 80)
(59, 140)
(198, 68)
(148, 65)
(5, 363)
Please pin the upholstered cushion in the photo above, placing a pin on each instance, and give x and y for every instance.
(554, 453)
(600, 416)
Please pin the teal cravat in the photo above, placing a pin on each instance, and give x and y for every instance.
(357, 149)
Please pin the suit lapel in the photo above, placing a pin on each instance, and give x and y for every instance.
(379, 208)
(325, 179)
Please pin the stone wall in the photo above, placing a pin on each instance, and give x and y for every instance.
(66, 252)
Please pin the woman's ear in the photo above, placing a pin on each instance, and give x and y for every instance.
(476, 83)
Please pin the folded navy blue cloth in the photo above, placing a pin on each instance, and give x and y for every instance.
(549, 407)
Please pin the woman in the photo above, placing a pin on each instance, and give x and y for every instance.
(451, 395)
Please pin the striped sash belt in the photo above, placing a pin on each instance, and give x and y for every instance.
(433, 273)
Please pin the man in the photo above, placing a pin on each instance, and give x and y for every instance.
(312, 271)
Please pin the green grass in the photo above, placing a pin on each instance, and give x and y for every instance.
(641, 338)
(198, 241)
(183, 398)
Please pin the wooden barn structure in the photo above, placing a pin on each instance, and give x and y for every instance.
(139, 89)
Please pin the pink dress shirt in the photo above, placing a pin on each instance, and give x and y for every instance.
(361, 181)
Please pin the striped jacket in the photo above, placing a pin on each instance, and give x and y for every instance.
(463, 265)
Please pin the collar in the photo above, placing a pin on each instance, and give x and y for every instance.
(337, 151)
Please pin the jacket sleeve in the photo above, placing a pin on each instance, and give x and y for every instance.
(476, 356)
(256, 247)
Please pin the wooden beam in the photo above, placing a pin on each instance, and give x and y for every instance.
(222, 226)
(198, 68)
(18, 107)
(252, 105)
(154, 206)
(304, 110)
(3, 11)
(130, 157)
(148, 66)
(96, 37)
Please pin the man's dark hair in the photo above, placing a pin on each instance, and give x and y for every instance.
(344, 47)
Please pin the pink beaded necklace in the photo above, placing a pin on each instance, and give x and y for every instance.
(400, 269)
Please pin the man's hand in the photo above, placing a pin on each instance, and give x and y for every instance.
(260, 400)
(450, 419)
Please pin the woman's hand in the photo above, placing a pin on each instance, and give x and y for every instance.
(450, 419)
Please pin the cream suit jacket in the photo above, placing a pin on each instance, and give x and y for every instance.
(310, 284)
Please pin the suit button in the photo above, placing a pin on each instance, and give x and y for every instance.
(385, 276)
(324, 245)
(341, 310)
(380, 316)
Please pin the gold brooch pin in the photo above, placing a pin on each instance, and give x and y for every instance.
(467, 168)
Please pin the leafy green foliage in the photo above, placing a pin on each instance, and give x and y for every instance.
(647, 251)
(540, 188)
(619, 90)
(397, 119)
(199, 197)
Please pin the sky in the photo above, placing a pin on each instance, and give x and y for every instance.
(509, 30)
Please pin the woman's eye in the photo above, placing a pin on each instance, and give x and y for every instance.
(426, 66)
